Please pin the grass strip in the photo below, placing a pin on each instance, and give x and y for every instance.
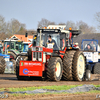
(54, 87)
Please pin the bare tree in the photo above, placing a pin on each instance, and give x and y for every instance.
(3, 36)
(62, 23)
(44, 23)
(70, 24)
(97, 17)
(2, 24)
(22, 29)
(85, 28)
(13, 26)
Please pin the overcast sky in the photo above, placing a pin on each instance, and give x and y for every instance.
(30, 12)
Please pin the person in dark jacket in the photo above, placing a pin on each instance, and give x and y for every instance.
(88, 47)
(52, 41)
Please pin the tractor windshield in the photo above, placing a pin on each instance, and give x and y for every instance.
(25, 48)
(12, 45)
(49, 40)
(90, 45)
(18, 45)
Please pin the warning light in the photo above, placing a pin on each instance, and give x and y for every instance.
(34, 38)
(45, 27)
(70, 28)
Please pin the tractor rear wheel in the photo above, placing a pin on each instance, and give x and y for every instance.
(19, 58)
(2, 65)
(78, 68)
(96, 68)
(54, 69)
(67, 65)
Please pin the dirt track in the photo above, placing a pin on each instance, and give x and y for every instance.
(10, 80)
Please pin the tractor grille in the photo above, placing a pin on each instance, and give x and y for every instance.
(37, 56)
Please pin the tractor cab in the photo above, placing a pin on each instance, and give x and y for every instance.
(90, 48)
(18, 45)
(89, 45)
(12, 45)
(56, 39)
(51, 38)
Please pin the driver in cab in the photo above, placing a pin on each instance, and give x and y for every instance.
(88, 47)
(51, 43)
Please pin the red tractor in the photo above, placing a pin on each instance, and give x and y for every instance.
(54, 57)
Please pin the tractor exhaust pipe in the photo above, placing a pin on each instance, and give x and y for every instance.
(40, 38)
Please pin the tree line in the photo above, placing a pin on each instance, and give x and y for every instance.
(84, 27)
(12, 27)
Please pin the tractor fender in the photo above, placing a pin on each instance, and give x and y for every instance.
(22, 54)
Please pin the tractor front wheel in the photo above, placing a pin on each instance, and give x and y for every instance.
(79, 63)
(54, 69)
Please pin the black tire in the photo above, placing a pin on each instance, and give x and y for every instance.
(67, 65)
(87, 76)
(96, 69)
(17, 67)
(14, 64)
(52, 73)
(19, 58)
(17, 74)
(77, 74)
(12, 54)
(2, 65)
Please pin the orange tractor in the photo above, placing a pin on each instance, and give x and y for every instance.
(54, 57)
